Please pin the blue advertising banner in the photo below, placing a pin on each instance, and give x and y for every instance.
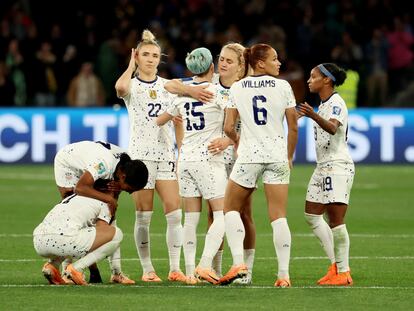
(33, 135)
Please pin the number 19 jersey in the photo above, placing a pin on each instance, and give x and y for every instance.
(261, 102)
(145, 102)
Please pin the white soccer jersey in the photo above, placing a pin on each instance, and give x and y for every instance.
(99, 159)
(72, 214)
(202, 122)
(261, 102)
(332, 148)
(145, 102)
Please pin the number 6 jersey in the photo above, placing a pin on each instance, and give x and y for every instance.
(145, 101)
(261, 102)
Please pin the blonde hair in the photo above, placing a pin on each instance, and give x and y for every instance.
(238, 49)
(148, 38)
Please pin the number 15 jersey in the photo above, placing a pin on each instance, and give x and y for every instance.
(145, 102)
(261, 102)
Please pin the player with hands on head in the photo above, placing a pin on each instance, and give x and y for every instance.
(145, 98)
(79, 165)
(330, 185)
(78, 227)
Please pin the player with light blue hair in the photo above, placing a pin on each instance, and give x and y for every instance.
(201, 174)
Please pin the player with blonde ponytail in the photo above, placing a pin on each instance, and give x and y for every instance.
(145, 98)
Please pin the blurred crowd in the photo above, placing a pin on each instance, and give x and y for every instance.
(70, 53)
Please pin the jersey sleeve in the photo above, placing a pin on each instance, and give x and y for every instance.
(337, 112)
(104, 213)
(231, 102)
(99, 169)
(290, 97)
(172, 109)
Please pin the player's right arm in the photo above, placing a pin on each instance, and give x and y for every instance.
(198, 92)
(123, 84)
(85, 188)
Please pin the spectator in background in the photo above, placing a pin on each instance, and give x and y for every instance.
(14, 62)
(86, 90)
(45, 84)
(376, 53)
(7, 89)
(400, 56)
(349, 54)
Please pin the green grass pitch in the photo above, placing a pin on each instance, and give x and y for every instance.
(380, 221)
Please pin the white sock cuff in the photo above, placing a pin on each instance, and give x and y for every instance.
(313, 220)
(192, 217)
(174, 217)
(232, 214)
(218, 214)
(282, 220)
(143, 217)
(339, 228)
(118, 236)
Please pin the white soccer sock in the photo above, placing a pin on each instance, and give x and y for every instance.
(217, 261)
(174, 238)
(323, 232)
(249, 259)
(115, 258)
(142, 239)
(235, 235)
(214, 237)
(190, 240)
(100, 253)
(341, 242)
(282, 241)
(66, 263)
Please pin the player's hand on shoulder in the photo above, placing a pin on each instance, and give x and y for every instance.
(201, 93)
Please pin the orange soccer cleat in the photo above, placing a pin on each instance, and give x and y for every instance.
(235, 272)
(151, 277)
(332, 271)
(121, 279)
(207, 274)
(52, 274)
(340, 279)
(177, 276)
(76, 276)
(283, 283)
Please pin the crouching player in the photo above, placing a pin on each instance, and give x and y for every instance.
(78, 227)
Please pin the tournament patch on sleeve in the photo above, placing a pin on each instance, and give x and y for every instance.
(100, 168)
(336, 110)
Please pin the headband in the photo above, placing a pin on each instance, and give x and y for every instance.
(326, 72)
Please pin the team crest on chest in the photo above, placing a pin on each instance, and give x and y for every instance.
(153, 94)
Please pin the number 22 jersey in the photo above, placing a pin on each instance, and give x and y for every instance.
(145, 102)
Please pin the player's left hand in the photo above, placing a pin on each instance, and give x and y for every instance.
(218, 145)
(113, 186)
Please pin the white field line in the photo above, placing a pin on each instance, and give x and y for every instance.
(108, 286)
(26, 176)
(301, 235)
(257, 258)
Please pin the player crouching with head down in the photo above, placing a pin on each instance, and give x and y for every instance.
(78, 227)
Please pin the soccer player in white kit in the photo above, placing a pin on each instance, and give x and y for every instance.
(201, 173)
(262, 102)
(330, 185)
(77, 166)
(145, 98)
(230, 69)
(78, 227)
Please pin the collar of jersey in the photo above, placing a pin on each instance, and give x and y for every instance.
(149, 82)
(223, 86)
(198, 83)
(324, 101)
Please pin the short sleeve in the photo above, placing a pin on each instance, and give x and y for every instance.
(290, 97)
(104, 213)
(337, 112)
(99, 169)
(231, 102)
